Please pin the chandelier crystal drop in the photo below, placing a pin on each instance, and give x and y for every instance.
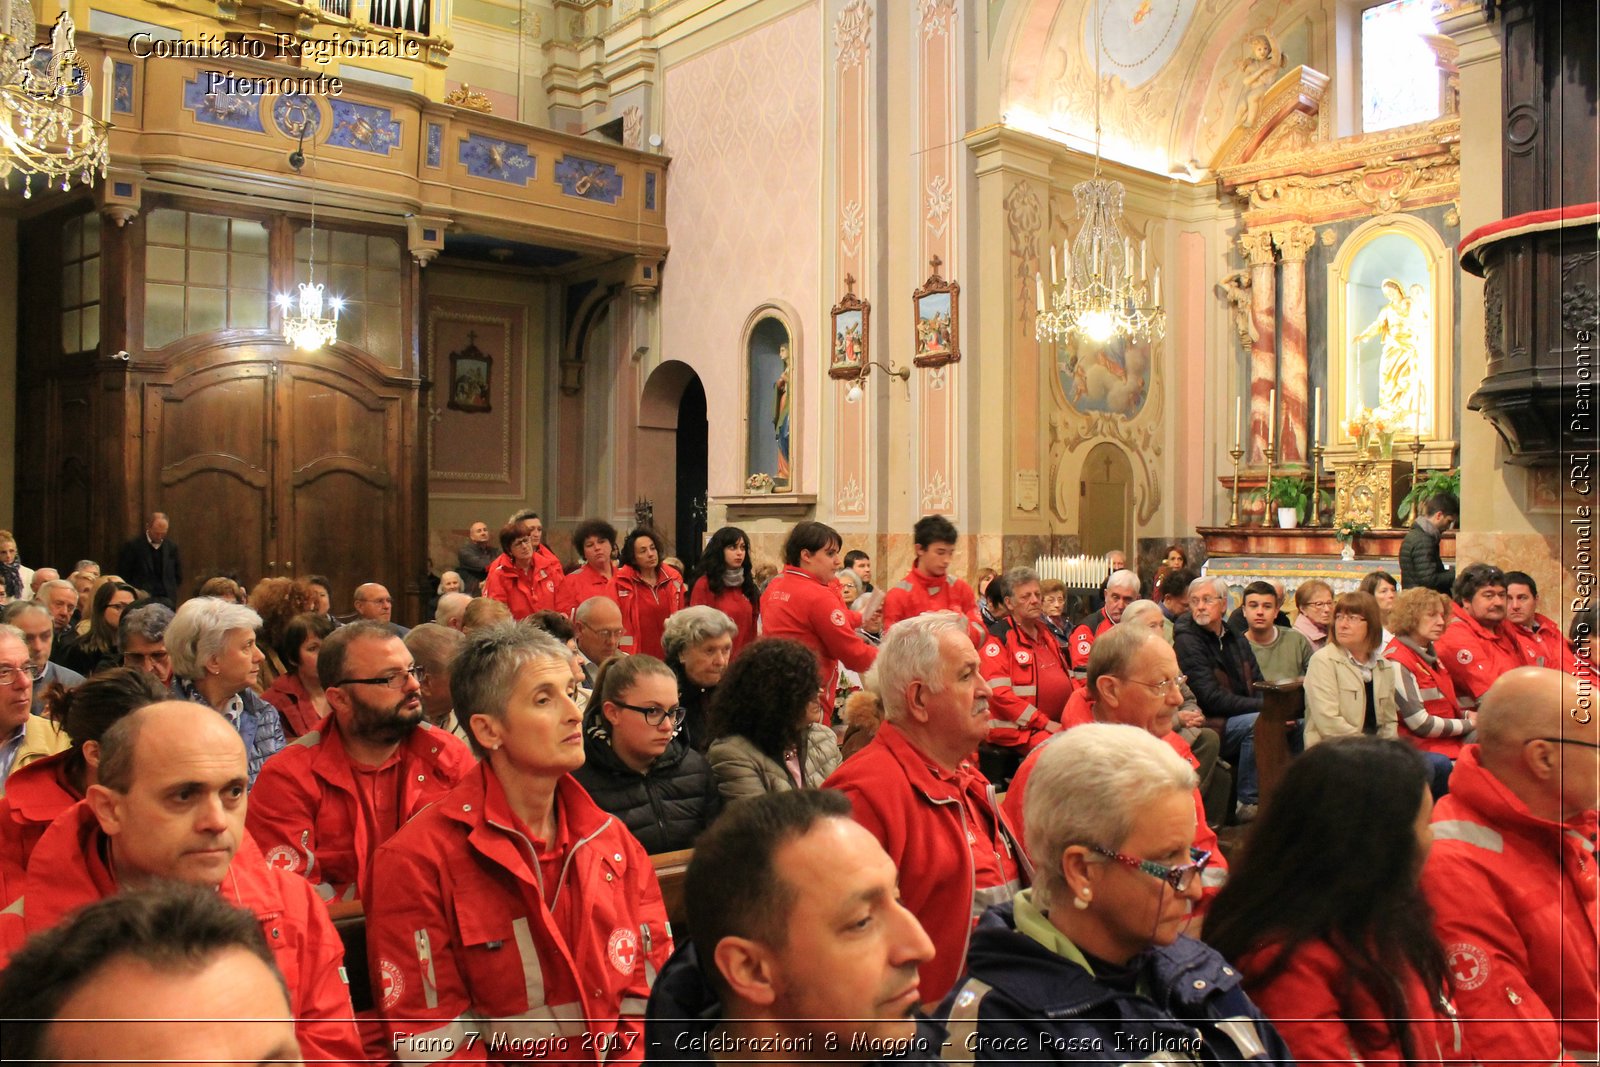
(1097, 293)
(44, 133)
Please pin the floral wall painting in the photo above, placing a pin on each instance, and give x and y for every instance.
(770, 403)
(469, 377)
(1111, 377)
(938, 329)
(851, 316)
(1389, 301)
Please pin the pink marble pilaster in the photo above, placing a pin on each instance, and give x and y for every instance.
(1294, 398)
(1263, 350)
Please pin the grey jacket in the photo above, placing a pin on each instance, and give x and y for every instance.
(742, 770)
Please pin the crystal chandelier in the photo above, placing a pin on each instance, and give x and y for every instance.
(42, 132)
(304, 324)
(1097, 293)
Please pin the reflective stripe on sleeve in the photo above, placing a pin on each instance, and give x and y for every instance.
(1470, 833)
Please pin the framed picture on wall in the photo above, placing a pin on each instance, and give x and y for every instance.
(938, 311)
(470, 368)
(851, 316)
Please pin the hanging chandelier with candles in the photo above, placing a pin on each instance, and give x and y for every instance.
(43, 133)
(1097, 293)
(304, 324)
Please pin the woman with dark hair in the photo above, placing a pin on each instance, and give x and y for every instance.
(1173, 560)
(650, 590)
(514, 578)
(595, 542)
(724, 579)
(1324, 916)
(37, 793)
(1349, 685)
(277, 600)
(1383, 588)
(766, 718)
(98, 647)
(638, 765)
(297, 692)
(804, 605)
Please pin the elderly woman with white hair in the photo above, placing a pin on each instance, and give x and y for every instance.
(215, 662)
(698, 642)
(1092, 964)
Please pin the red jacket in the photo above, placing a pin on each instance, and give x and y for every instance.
(34, 797)
(307, 816)
(523, 591)
(1544, 646)
(1031, 684)
(546, 560)
(1212, 879)
(915, 809)
(646, 607)
(732, 603)
(464, 935)
(583, 583)
(1513, 897)
(69, 870)
(296, 710)
(1308, 1005)
(1475, 656)
(797, 606)
(1081, 641)
(918, 594)
(1438, 693)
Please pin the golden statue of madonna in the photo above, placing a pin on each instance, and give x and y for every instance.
(1400, 386)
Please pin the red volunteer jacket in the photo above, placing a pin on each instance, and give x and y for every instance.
(34, 797)
(1513, 898)
(523, 591)
(797, 606)
(296, 710)
(1031, 684)
(732, 603)
(918, 594)
(646, 607)
(546, 559)
(915, 810)
(1475, 656)
(308, 818)
(1212, 879)
(464, 936)
(69, 870)
(1438, 694)
(1544, 645)
(1306, 1002)
(583, 583)
(1081, 641)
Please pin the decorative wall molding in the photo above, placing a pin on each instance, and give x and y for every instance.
(852, 33)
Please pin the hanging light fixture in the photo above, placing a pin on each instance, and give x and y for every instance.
(42, 132)
(1097, 293)
(304, 324)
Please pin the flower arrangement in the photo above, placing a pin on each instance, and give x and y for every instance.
(760, 482)
(1373, 429)
(1350, 529)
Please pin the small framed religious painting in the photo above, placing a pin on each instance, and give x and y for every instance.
(851, 316)
(469, 377)
(938, 326)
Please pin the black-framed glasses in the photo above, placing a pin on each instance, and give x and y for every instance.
(656, 716)
(1180, 877)
(393, 681)
(1165, 686)
(1565, 741)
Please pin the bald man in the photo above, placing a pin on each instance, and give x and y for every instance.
(170, 805)
(1511, 876)
(373, 602)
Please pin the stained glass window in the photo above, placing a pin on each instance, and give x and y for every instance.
(1399, 72)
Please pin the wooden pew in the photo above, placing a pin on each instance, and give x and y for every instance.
(671, 867)
(1282, 703)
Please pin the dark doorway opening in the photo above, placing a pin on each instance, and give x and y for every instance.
(692, 472)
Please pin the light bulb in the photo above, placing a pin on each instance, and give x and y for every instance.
(854, 394)
(1097, 324)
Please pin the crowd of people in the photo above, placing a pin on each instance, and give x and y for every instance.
(929, 822)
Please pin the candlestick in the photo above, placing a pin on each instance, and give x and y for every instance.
(1233, 516)
(1416, 473)
(1316, 485)
(1266, 504)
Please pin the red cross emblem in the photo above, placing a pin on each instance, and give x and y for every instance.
(392, 981)
(623, 949)
(1468, 964)
(282, 858)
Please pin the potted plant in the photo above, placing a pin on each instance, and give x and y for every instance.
(1291, 495)
(1346, 533)
(1428, 486)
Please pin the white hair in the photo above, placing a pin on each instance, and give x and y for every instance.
(51, 586)
(1135, 613)
(450, 606)
(1124, 579)
(1220, 585)
(200, 629)
(910, 653)
(1088, 787)
(690, 626)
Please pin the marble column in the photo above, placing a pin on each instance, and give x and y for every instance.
(1294, 393)
(1263, 350)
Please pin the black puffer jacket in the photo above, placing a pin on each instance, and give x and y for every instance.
(1420, 565)
(665, 808)
(696, 701)
(1221, 669)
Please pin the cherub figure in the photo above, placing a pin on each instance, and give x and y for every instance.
(1259, 74)
(1236, 291)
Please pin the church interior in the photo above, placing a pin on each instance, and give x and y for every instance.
(1080, 275)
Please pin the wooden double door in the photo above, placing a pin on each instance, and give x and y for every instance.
(272, 462)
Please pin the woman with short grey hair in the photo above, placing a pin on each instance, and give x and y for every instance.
(1093, 958)
(698, 642)
(215, 662)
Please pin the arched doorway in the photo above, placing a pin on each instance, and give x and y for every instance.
(672, 466)
(1105, 501)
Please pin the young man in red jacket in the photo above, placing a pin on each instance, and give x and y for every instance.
(1511, 877)
(323, 805)
(170, 806)
(928, 586)
(1477, 647)
(917, 789)
(1536, 636)
(803, 605)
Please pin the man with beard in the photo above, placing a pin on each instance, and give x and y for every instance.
(322, 806)
(1477, 647)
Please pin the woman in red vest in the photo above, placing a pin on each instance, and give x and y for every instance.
(724, 581)
(1430, 717)
(650, 590)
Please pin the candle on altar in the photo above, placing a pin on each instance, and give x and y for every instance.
(1316, 415)
(1238, 417)
(1272, 406)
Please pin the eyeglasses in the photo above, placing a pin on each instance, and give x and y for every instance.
(140, 659)
(1164, 687)
(656, 716)
(609, 635)
(12, 675)
(393, 681)
(1181, 877)
(1564, 741)
(1319, 603)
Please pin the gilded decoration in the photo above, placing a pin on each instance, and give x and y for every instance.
(466, 96)
(1365, 491)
